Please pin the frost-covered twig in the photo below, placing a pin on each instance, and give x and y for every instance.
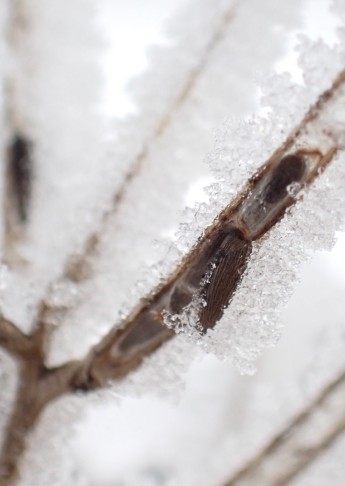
(77, 265)
(300, 442)
(143, 330)
(313, 143)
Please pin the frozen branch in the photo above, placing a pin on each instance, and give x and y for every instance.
(303, 439)
(143, 331)
(77, 266)
(203, 282)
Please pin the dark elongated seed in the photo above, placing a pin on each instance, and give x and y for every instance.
(184, 289)
(219, 265)
(228, 264)
(290, 169)
(214, 275)
(269, 198)
(19, 166)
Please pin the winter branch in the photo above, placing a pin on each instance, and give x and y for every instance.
(198, 290)
(300, 442)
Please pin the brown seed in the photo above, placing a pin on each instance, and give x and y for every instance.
(269, 197)
(290, 169)
(19, 166)
(228, 262)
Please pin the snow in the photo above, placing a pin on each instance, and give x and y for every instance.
(83, 158)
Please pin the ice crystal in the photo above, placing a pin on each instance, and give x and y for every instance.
(188, 320)
(251, 323)
(63, 294)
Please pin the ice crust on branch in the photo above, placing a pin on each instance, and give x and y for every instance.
(164, 178)
(248, 344)
(88, 187)
(234, 160)
(150, 144)
(251, 322)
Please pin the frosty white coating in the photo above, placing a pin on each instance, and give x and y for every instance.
(121, 352)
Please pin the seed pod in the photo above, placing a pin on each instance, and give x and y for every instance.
(270, 197)
(290, 169)
(190, 282)
(144, 332)
(225, 271)
(213, 275)
(19, 169)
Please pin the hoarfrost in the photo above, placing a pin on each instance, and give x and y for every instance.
(241, 147)
(164, 176)
(251, 323)
(187, 321)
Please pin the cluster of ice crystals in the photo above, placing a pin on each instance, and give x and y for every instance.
(251, 323)
(320, 63)
(187, 321)
(294, 189)
(63, 294)
(239, 148)
(275, 89)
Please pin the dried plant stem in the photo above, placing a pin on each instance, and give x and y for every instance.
(142, 332)
(143, 326)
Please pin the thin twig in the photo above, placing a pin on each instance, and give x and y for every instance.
(143, 330)
(14, 340)
(127, 344)
(76, 265)
(300, 442)
(38, 385)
